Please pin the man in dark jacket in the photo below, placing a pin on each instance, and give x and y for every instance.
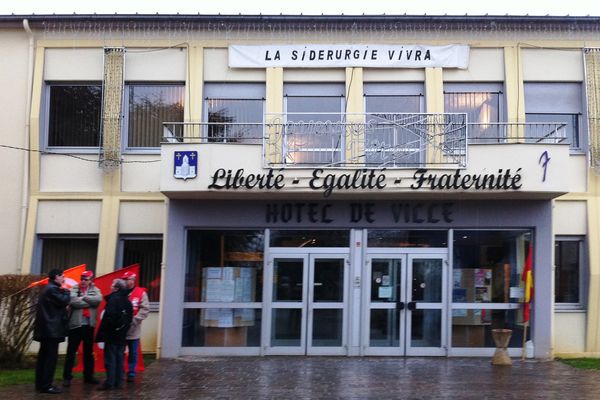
(113, 332)
(50, 329)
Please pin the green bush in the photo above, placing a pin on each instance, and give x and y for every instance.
(17, 315)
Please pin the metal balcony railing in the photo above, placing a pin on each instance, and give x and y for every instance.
(374, 140)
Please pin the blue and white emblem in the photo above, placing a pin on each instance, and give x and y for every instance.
(186, 164)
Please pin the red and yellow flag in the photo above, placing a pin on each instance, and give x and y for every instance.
(72, 277)
(527, 278)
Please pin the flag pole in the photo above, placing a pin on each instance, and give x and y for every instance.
(525, 325)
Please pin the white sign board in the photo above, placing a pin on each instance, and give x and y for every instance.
(350, 55)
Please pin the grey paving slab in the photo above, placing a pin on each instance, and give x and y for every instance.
(341, 378)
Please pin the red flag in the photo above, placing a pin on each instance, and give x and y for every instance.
(72, 277)
(103, 283)
(527, 278)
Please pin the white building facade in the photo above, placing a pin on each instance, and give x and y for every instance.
(313, 185)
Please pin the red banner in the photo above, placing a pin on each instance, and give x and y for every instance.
(72, 276)
(103, 283)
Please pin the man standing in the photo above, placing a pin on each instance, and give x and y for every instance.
(141, 308)
(116, 320)
(85, 299)
(50, 329)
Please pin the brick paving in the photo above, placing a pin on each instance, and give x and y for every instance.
(341, 378)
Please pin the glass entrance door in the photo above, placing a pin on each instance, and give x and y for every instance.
(406, 305)
(308, 307)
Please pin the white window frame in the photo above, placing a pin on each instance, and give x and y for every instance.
(45, 117)
(583, 275)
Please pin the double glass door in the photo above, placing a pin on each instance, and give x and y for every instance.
(308, 304)
(405, 296)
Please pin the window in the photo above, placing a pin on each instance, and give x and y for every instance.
(149, 105)
(314, 130)
(147, 252)
(234, 112)
(67, 252)
(550, 103)
(74, 115)
(483, 105)
(486, 265)
(223, 283)
(391, 139)
(568, 272)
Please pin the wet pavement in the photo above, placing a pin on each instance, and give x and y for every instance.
(341, 378)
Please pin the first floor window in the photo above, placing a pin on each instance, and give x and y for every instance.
(67, 252)
(74, 113)
(147, 252)
(150, 105)
(568, 272)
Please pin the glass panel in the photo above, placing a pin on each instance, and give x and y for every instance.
(201, 327)
(401, 238)
(148, 254)
(566, 273)
(313, 133)
(473, 328)
(65, 253)
(571, 129)
(386, 281)
(427, 280)
(149, 107)
(328, 285)
(74, 115)
(384, 328)
(327, 327)
(487, 264)
(288, 279)
(286, 327)
(284, 238)
(426, 328)
(482, 109)
(222, 261)
(235, 120)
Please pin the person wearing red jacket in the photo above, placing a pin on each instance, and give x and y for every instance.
(141, 308)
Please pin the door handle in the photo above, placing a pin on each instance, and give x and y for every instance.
(399, 305)
(412, 305)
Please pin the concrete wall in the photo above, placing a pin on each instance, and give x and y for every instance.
(14, 53)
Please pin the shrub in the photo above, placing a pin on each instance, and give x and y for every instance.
(17, 315)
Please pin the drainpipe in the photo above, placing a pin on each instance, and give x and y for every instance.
(25, 190)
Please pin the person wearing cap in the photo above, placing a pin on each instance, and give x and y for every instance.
(141, 308)
(50, 330)
(85, 299)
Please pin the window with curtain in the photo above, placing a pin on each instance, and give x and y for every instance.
(234, 112)
(551, 103)
(147, 252)
(392, 140)
(149, 106)
(74, 115)
(483, 105)
(67, 252)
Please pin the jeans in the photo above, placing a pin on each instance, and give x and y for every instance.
(84, 333)
(114, 355)
(132, 347)
(46, 363)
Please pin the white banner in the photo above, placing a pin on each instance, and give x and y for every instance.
(351, 55)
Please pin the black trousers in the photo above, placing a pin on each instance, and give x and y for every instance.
(83, 334)
(46, 363)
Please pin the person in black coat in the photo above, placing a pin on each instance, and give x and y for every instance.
(113, 332)
(50, 329)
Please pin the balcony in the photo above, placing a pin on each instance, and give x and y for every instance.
(391, 141)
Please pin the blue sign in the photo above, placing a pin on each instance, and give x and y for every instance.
(186, 164)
